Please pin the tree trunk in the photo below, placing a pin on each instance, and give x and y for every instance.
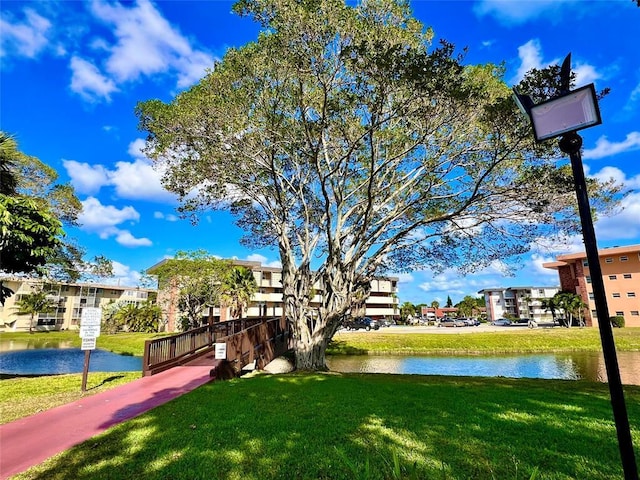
(314, 327)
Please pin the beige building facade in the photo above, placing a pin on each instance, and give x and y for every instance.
(621, 276)
(69, 298)
(518, 302)
(267, 301)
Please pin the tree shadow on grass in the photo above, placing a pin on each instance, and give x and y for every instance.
(343, 348)
(333, 426)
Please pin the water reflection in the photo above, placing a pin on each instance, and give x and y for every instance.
(36, 343)
(574, 366)
(48, 361)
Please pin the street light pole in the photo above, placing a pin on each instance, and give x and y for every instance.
(562, 116)
(570, 143)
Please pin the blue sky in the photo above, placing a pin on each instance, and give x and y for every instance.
(72, 73)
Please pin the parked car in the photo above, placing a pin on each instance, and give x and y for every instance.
(451, 322)
(501, 322)
(386, 323)
(362, 322)
(471, 322)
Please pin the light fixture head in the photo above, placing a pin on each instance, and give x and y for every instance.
(573, 111)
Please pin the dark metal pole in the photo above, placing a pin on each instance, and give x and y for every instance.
(85, 369)
(571, 143)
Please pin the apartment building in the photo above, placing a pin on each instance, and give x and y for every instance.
(518, 302)
(267, 301)
(69, 298)
(621, 276)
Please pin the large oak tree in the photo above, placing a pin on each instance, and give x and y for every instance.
(346, 139)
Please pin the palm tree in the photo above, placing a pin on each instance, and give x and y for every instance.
(571, 304)
(237, 289)
(550, 305)
(126, 315)
(34, 303)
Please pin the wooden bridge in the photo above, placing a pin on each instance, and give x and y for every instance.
(258, 340)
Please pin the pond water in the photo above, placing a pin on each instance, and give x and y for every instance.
(51, 361)
(27, 358)
(574, 366)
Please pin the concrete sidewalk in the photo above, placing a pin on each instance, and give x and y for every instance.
(29, 441)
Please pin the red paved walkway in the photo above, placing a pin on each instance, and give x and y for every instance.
(29, 441)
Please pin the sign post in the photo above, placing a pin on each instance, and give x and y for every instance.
(89, 331)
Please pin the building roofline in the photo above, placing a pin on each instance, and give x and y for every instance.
(517, 288)
(74, 284)
(602, 252)
(253, 265)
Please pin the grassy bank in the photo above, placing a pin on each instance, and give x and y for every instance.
(329, 426)
(511, 340)
(466, 341)
(121, 343)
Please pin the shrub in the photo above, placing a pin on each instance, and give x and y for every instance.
(617, 321)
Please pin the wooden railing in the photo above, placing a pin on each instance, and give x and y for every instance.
(247, 340)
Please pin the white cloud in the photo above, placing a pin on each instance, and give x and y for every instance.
(136, 180)
(85, 178)
(618, 176)
(605, 148)
(25, 39)
(139, 180)
(256, 257)
(585, 74)
(509, 12)
(97, 217)
(88, 82)
(102, 219)
(169, 217)
(634, 100)
(123, 276)
(147, 44)
(530, 55)
(126, 239)
(535, 266)
(404, 277)
(625, 224)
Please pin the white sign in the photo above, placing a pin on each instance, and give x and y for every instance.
(91, 316)
(88, 343)
(221, 351)
(89, 331)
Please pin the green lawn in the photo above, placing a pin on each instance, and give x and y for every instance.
(349, 426)
(511, 340)
(20, 397)
(331, 426)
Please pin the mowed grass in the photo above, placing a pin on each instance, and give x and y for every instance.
(352, 426)
(466, 341)
(20, 397)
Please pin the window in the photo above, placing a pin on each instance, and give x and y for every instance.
(631, 294)
(588, 278)
(634, 313)
(619, 314)
(585, 263)
(613, 277)
(608, 260)
(540, 292)
(616, 295)
(594, 314)
(624, 258)
(627, 275)
(591, 296)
